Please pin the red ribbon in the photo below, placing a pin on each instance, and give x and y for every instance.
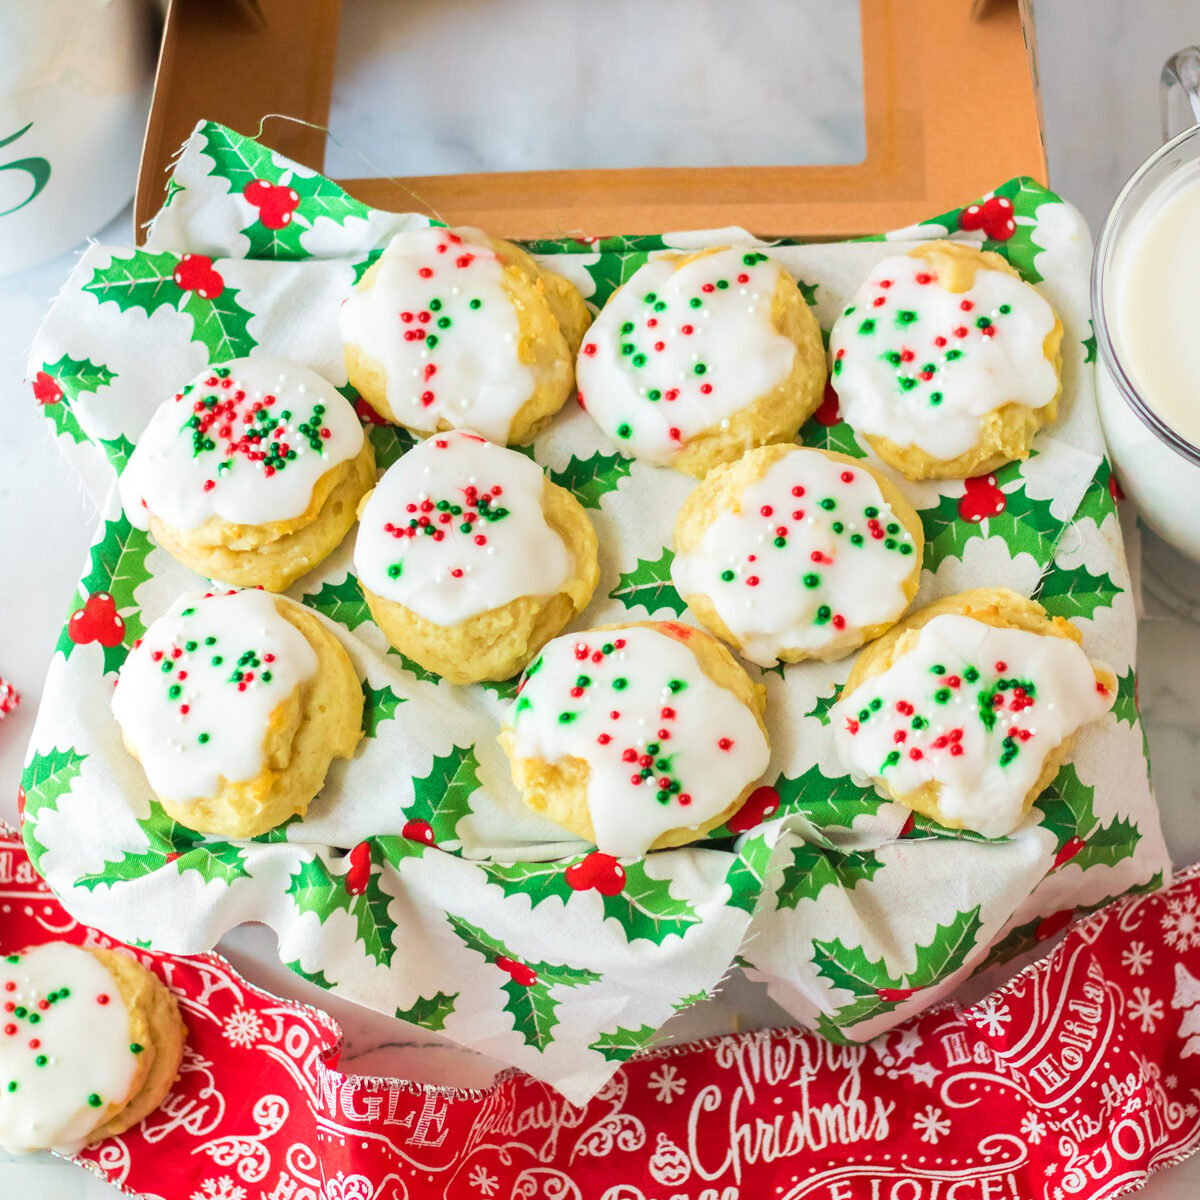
(1076, 1080)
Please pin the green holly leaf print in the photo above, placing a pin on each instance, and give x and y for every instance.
(117, 450)
(442, 798)
(166, 841)
(365, 264)
(1125, 707)
(220, 861)
(318, 977)
(140, 281)
(610, 271)
(65, 422)
(173, 189)
(44, 782)
(415, 668)
(341, 602)
(239, 159)
(59, 384)
(838, 437)
(748, 872)
(315, 889)
(105, 609)
(147, 281)
(504, 690)
(589, 479)
(920, 827)
(390, 443)
(278, 229)
(989, 507)
(808, 291)
(528, 991)
(1075, 593)
(687, 1001)
(645, 908)
(874, 988)
(820, 710)
(379, 705)
(814, 868)
(1089, 344)
(1020, 248)
(1098, 501)
(1067, 813)
(648, 586)
(622, 1044)
(539, 881)
(220, 323)
(430, 1012)
(827, 801)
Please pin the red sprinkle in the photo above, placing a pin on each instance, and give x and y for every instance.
(604, 739)
(725, 744)
(103, 998)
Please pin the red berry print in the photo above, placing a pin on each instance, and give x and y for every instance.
(1114, 488)
(1052, 924)
(20, 804)
(828, 414)
(419, 831)
(274, 202)
(359, 874)
(762, 803)
(524, 975)
(366, 414)
(981, 499)
(1070, 848)
(909, 823)
(195, 274)
(599, 871)
(994, 216)
(46, 389)
(895, 995)
(97, 621)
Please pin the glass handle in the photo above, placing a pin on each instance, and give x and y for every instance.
(1180, 77)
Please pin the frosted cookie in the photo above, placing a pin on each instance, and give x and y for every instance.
(90, 1044)
(453, 329)
(471, 559)
(947, 361)
(966, 711)
(235, 705)
(792, 553)
(250, 474)
(637, 737)
(699, 357)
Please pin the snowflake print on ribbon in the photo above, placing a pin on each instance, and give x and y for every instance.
(1145, 1010)
(1033, 1128)
(483, 1182)
(220, 1188)
(991, 1016)
(932, 1124)
(243, 1027)
(1137, 958)
(1181, 923)
(667, 1084)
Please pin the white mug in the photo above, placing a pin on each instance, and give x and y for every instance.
(75, 84)
(1157, 465)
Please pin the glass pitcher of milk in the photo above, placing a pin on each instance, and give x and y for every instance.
(1146, 308)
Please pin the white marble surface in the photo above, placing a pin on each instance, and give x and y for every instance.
(738, 96)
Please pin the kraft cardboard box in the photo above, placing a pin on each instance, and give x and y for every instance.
(951, 107)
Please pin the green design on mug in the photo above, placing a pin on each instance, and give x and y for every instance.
(38, 168)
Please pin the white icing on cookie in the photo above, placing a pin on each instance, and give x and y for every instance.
(812, 556)
(666, 746)
(441, 322)
(195, 696)
(974, 707)
(919, 365)
(245, 441)
(66, 1060)
(456, 528)
(681, 349)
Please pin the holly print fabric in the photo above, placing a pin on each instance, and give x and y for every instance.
(418, 883)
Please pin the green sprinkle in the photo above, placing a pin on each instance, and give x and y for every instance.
(628, 348)
(435, 306)
(444, 323)
(919, 723)
(174, 691)
(892, 759)
(951, 355)
(475, 304)
(700, 369)
(189, 646)
(695, 302)
(942, 695)
(727, 576)
(970, 674)
(677, 685)
(829, 504)
(722, 284)
(397, 569)
(583, 681)
(136, 1048)
(662, 797)
(823, 615)
(889, 543)
(620, 683)
(938, 670)
(905, 316)
(12, 1087)
(838, 527)
(983, 323)
(781, 542)
(906, 548)
(94, 1100)
(627, 327)
(907, 383)
(431, 341)
(856, 539)
(639, 360)
(935, 398)
(876, 704)
(811, 581)
(871, 512)
(1005, 309)
(868, 326)
(654, 394)
(565, 718)
(203, 739)
(607, 648)
(624, 430)
(650, 297)
(41, 1060)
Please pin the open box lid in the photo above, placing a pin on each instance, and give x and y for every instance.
(950, 104)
